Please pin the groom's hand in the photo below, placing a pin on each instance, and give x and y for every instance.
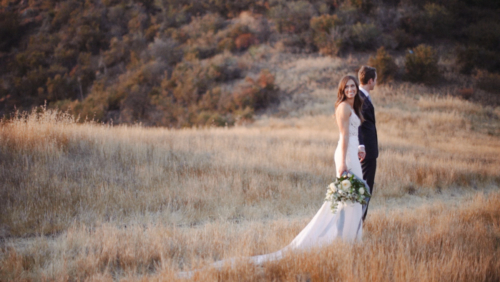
(361, 154)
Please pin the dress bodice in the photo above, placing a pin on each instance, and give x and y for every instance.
(354, 123)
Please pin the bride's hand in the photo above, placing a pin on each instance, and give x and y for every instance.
(341, 169)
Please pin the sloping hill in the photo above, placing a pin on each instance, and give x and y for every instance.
(184, 63)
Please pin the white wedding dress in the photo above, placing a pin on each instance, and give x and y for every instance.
(325, 227)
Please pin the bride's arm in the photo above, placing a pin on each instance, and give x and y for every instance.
(342, 115)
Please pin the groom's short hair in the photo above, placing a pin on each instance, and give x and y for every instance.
(366, 73)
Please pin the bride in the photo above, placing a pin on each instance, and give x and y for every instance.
(346, 223)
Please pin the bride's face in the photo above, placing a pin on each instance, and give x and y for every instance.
(350, 89)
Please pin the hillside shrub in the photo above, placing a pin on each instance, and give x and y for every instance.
(421, 65)
(200, 26)
(10, 26)
(166, 50)
(324, 23)
(485, 33)
(403, 39)
(292, 17)
(33, 84)
(323, 27)
(224, 67)
(471, 57)
(136, 104)
(385, 65)
(366, 6)
(210, 101)
(257, 24)
(332, 35)
(431, 21)
(209, 119)
(83, 75)
(190, 80)
(28, 60)
(119, 51)
(488, 81)
(96, 104)
(60, 87)
(364, 36)
(237, 37)
(243, 41)
(226, 43)
(257, 93)
(172, 16)
(439, 20)
(64, 12)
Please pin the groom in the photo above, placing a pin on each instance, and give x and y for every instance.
(368, 144)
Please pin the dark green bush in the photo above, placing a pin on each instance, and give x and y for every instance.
(385, 65)
(421, 65)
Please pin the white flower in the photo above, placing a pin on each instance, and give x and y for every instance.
(361, 191)
(346, 184)
(332, 188)
(349, 175)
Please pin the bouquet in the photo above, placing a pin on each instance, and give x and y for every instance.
(347, 188)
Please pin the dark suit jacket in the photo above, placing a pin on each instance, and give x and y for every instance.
(367, 132)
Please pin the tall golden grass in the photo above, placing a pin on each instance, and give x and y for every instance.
(92, 201)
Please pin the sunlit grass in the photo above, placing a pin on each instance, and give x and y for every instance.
(94, 201)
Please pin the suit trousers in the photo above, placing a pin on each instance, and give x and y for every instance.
(369, 167)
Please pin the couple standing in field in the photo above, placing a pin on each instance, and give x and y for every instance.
(356, 153)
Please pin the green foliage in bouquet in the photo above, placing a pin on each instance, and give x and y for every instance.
(347, 188)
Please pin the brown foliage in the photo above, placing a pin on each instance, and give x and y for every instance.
(257, 93)
(243, 41)
(385, 65)
(421, 65)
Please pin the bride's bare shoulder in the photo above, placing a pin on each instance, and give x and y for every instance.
(343, 109)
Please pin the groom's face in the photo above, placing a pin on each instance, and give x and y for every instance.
(374, 82)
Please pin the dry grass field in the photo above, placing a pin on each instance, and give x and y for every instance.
(101, 203)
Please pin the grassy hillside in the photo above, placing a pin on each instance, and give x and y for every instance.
(93, 201)
(190, 63)
(123, 196)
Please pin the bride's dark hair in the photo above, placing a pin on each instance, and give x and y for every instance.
(358, 102)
